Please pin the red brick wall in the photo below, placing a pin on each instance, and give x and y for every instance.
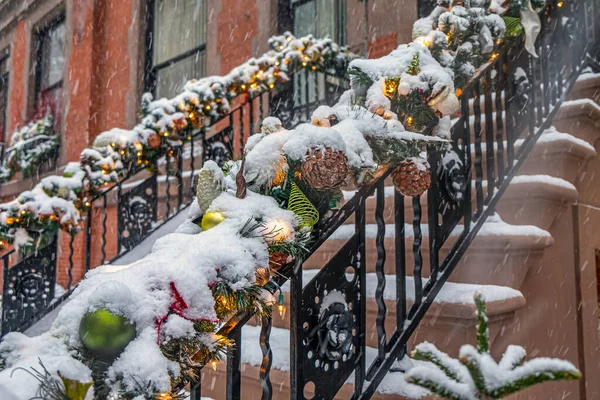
(237, 25)
(17, 95)
(383, 45)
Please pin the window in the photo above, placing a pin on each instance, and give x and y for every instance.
(177, 44)
(320, 18)
(49, 71)
(3, 95)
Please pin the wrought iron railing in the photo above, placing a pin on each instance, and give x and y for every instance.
(513, 97)
(121, 216)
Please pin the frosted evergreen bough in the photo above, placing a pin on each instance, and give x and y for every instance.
(476, 375)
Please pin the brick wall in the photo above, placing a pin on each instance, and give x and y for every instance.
(237, 25)
(17, 95)
(383, 45)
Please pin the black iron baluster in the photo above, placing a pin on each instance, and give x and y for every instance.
(532, 102)
(307, 92)
(545, 80)
(417, 241)
(261, 109)
(168, 181)
(242, 142)
(88, 240)
(265, 367)
(296, 354)
(234, 376)
(400, 249)
(466, 131)
(380, 273)
(179, 175)
(103, 247)
(196, 389)
(433, 199)
(360, 371)
(489, 134)
(251, 115)
(478, 153)
(193, 166)
(509, 104)
(70, 270)
(500, 115)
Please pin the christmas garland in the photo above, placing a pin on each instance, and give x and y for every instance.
(145, 329)
(57, 201)
(30, 147)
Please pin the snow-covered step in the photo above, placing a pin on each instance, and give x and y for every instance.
(557, 154)
(526, 202)
(501, 253)
(586, 86)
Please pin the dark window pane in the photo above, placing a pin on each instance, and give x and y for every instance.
(171, 80)
(53, 56)
(179, 27)
(321, 18)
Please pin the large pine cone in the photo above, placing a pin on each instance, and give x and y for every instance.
(412, 179)
(324, 170)
(278, 259)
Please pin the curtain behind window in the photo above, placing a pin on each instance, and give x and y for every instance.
(179, 32)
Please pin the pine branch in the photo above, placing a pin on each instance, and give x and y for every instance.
(436, 382)
(483, 337)
(469, 356)
(428, 352)
(512, 357)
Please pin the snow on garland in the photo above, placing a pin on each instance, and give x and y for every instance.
(30, 147)
(155, 322)
(56, 203)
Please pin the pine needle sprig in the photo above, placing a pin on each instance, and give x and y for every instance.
(50, 388)
(295, 248)
(249, 299)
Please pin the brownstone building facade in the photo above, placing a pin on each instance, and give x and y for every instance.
(89, 62)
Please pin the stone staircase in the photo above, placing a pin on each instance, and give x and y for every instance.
(522, 260)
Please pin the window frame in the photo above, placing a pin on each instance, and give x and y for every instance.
(151, 70)
(41, 34)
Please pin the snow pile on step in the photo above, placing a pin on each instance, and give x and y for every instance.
(453, 293)
(494, 226)
(546, 179)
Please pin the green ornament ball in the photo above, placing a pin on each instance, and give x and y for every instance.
(105, 334)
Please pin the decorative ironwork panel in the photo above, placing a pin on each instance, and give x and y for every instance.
(330, 320)
(137, 213)
(219, 147)
(28, 288)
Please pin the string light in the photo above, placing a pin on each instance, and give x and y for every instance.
(560, 4)
(213, 364)
(409, 121)
(280, 305)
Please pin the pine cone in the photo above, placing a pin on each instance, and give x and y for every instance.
(278, 259)
(207, 189)
(323, 171)
(154, 141)
(412, 179)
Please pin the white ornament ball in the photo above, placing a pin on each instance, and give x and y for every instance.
(403, 89)
(449, 105)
